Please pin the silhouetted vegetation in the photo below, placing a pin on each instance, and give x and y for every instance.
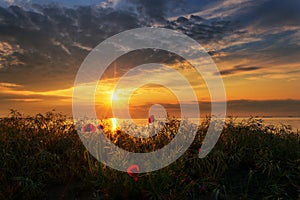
(42, 157)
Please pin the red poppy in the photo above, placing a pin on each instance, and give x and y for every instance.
(151, 119)
(89, 128)
(133, 172)
(100, 127)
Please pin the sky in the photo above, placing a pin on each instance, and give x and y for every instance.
(254, 44)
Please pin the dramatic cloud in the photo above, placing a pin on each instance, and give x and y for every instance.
(238, 69)
(44, 51)
(202, 30)
(8, 55)
(55, 40)
(255, 44)
(153, 8)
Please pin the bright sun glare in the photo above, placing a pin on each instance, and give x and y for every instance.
(114, 96)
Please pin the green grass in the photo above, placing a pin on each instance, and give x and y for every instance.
(42, 157)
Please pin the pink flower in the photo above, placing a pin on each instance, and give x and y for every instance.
(89, 128)
(133, 172)
(151, 119)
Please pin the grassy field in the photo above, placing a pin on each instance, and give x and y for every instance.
(42, 157)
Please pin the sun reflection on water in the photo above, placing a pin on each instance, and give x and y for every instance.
(113, 123)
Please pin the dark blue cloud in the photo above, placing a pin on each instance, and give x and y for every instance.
(239, 69)
(271, 13)
(69, 2)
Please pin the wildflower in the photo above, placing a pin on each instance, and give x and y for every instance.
(199, 150)
(89, 128)
(133, 172)
(151, 119)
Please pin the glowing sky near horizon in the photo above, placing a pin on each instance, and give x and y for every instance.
(255, 45)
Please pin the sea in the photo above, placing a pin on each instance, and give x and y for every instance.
(293, 122)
